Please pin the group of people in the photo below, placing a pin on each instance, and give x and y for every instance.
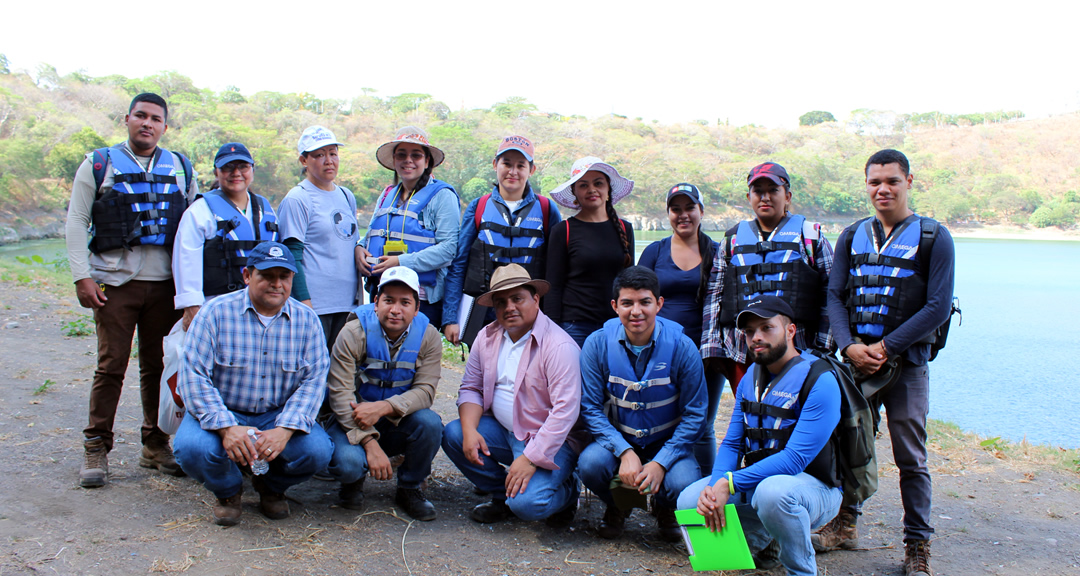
(583, 368)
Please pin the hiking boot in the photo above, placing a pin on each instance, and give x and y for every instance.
(563, 518)
(769, 557)
(489, 512)
(667, 524)
(227, 512)
(160, 456)
(352, 494)
(917, 558)
(611, 525)
(272, 504)
(95, 469)
(412, 501)
(839, 533)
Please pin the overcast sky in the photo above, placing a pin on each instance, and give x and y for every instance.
(764, 63)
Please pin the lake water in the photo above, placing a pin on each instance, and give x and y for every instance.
(997, 376)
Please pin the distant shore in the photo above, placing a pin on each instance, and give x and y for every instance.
(1002, 232)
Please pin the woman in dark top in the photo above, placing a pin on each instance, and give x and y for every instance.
(683, 262)
(587, 250)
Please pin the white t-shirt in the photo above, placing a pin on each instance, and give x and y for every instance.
(502, 405)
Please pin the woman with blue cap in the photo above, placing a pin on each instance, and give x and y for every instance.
(218, 230)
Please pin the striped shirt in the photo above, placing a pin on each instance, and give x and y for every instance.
(233, 363)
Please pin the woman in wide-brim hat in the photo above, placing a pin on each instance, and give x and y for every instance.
(317, 220)
(416, 220)
(588, 249)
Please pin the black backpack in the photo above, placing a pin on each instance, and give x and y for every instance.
(853, 438)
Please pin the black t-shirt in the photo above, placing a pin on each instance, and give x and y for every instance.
(582, 270)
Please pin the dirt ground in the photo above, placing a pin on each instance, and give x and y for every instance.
(990, 516)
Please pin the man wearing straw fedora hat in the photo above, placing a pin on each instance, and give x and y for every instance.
(517, 437)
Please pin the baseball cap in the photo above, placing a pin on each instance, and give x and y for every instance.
(770, 170)
(406, 276)
(315, 137)
(519, 143)
(230, 152)
(271, 255)
(764, 307)
(684, 189)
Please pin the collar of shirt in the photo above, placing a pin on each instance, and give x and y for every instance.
(510, 357)
(391, 344)
(285, 309)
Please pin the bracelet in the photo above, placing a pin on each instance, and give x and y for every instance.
(730, 483)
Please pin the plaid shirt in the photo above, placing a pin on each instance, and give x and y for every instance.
(727, 341)
(231, 362)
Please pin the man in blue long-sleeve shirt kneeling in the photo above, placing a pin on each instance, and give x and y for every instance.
(788, 483)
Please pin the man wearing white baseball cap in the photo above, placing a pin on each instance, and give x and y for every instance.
(384, 369)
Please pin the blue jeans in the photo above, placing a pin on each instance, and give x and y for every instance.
(782, 508)
(705, 448)
(597, 466)
(548, 492)
(200, 454)
(579, 331)
(417, 436)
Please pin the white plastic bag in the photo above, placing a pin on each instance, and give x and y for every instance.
(170, 405)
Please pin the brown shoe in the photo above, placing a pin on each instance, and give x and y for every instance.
(160, 455)
(667, 524)
(95, 469)
(917, 558)
(612, 524)
(272, 504)
(227, 512)
(840, 533)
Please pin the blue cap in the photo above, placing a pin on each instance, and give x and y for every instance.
(271, 255)
(230, 152)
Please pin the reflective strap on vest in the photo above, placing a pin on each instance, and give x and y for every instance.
(642, 405)
(639, 386)
(762, 409)
(382, 383)
(765, 434)
(512, 231)
(399, 236)
(649, 432)
(396, 212)
(145, 177)
(881, 260)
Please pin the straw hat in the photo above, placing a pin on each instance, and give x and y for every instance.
(620, 187)
(407, 135)
(511, 276)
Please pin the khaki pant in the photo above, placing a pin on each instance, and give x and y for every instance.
(148, 307)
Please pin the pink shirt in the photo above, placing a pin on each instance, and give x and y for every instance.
(547, 390)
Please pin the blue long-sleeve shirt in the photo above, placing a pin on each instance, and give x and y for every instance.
(939, 294)
(455, 278)
(817, 420)
(686, 373)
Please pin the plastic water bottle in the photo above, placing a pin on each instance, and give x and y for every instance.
(259, 466)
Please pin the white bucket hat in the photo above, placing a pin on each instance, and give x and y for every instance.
(316, 137)
(620, 187)
(407, 135)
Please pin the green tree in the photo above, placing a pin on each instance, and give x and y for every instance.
(64, 159)
(232, 95)
(474, 189)
(815, 117)
(513, 107)
(407, 103)
(5, 66)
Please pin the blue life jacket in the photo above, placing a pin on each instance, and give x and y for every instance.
(771, 409)
(886, 286)
(142, 208)
(225, 255)
(381, 376)
(780, 266)
(503, 238)
(405, 223)
(643, 409)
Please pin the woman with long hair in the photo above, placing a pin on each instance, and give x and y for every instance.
(588, 249)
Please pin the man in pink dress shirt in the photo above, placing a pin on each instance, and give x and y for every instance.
(517, 436)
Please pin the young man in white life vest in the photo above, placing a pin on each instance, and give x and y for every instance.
(776, 463)
(384, 368)
(643, 399)
(126, 203)
(887, 300)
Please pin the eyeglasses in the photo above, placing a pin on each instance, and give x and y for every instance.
(242, 167)
(415, 156)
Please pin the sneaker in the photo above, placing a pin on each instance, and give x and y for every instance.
(227, 512)
(612, 524)
(563, 518)
(769, 557)
(667, 524)
(272, 504)
(160, 456)
(917, 558)
(840, 533)
(412, 501)
(489, 512)
(95, 469)
(352, 495)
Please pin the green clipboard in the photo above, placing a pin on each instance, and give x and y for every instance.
(723, 550)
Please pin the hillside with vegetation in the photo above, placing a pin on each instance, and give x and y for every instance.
(982, 168)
